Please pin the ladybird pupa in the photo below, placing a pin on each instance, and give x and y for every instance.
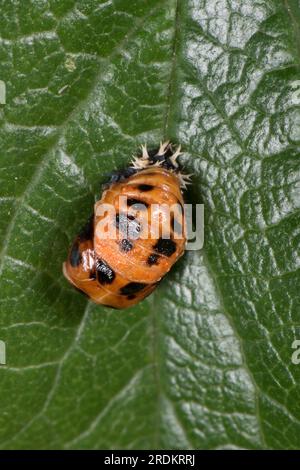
(124, 251)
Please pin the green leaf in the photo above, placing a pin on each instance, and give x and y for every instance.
(206, 361)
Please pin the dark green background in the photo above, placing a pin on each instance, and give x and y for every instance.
(204, 362)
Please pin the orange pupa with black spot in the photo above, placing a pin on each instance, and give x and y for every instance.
(136, 234)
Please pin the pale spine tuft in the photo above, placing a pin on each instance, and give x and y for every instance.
(163, 147)
(143, 162)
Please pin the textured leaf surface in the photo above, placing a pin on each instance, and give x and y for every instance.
(205, 362)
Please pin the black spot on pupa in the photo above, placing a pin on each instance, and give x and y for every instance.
(145, 187)
(87, 232)
(126, 245)
(153, 259)
(137, 204)
(75, 255)
(132, 288)
(165, 247)
(105, 274)
(131, 297)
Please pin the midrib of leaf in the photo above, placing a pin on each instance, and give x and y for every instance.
(154, 300)
(171, 86)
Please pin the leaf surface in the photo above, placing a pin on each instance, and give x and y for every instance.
(205, 361)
